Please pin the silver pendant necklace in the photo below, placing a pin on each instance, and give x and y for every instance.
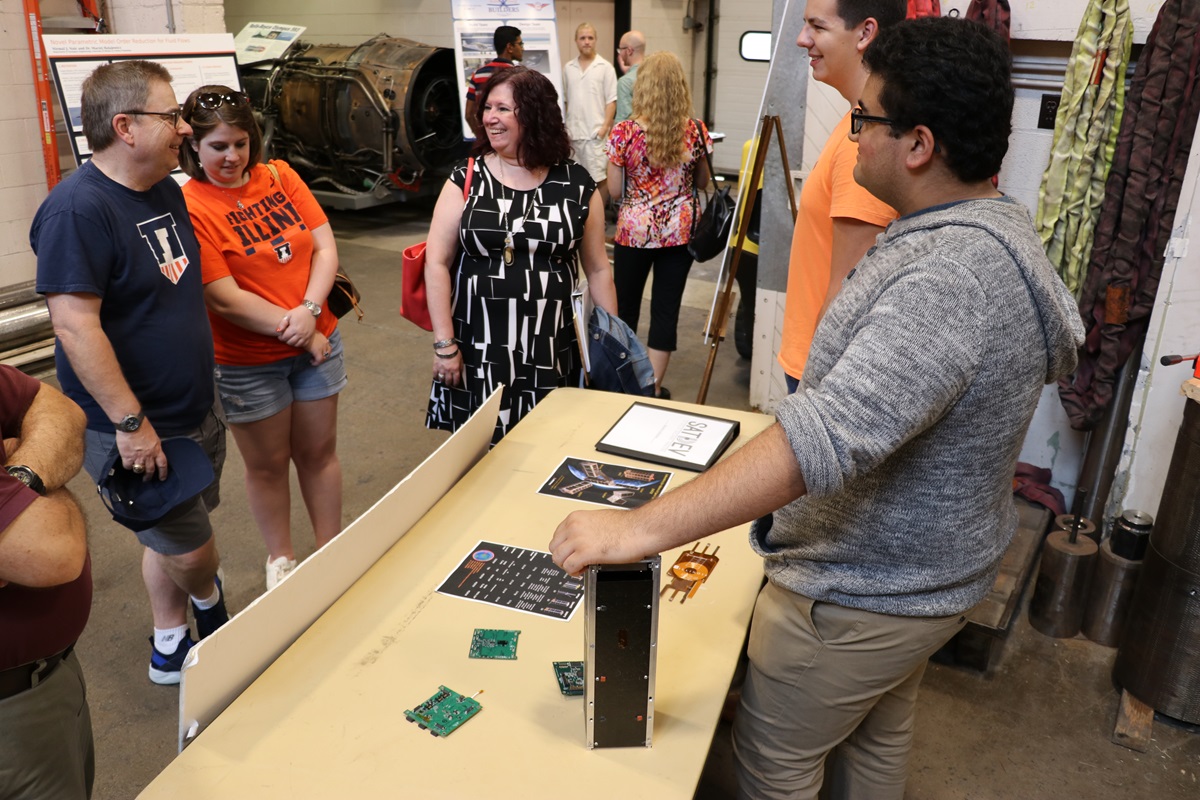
(234, 198)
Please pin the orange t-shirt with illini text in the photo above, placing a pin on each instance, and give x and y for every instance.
(266, 246)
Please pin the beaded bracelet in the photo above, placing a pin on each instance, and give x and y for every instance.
(444, 343)
(447, 355)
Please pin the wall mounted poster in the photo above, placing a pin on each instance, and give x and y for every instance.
(669, 436)
(193, 60)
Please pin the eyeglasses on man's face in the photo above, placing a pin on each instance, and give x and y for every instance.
(211, 101)
(858, 119)
(173, 116)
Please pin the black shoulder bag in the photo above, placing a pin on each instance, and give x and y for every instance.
(710, 229)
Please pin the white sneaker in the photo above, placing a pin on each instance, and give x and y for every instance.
(278, 569)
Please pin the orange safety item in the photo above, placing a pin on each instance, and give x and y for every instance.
(41, 88)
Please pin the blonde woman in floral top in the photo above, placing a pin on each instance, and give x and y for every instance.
(656, 164)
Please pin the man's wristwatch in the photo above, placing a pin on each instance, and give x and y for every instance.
(130, 422)
(28, 477)
(313, 308)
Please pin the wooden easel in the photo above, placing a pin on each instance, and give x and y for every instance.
(719, 319)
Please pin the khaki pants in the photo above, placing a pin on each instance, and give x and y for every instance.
(823, 676)
(47, 749)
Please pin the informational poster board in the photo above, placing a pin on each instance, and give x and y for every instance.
(264, 41)
(475, 23)
(193, 61)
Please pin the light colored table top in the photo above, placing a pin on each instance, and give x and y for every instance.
(327, 718)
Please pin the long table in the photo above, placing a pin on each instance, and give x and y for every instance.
(326, 718)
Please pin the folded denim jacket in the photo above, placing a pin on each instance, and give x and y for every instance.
(619, 361)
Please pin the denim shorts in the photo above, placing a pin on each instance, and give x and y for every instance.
(254, 393)
(187, 527)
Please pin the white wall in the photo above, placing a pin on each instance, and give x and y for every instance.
(22, 175)
(428, 21)
(739, 84)
(22, 168)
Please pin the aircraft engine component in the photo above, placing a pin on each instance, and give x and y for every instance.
(370, 118)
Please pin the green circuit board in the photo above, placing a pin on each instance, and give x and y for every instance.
(489, 643)
(443, 713)
(570, 677)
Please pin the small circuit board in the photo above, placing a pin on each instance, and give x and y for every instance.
(489, 643)
(570, 677)
(443, 713)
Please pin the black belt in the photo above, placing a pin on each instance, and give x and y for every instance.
(19, 679)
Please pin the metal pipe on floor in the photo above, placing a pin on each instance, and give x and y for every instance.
(26, 335)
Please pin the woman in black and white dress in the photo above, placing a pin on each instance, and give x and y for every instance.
(500, 264)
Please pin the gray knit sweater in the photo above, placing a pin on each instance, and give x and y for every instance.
(920, 385)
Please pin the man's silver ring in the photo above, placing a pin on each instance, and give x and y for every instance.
(138, 469)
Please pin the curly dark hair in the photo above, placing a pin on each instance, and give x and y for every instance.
(953, 76)
(233, 109)
(544, 138)
(885, 12)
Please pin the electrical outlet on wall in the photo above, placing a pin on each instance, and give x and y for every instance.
(1048, 111)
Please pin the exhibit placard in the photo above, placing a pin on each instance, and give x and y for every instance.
(193, 61)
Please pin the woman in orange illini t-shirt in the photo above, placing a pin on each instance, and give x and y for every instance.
(268, 260)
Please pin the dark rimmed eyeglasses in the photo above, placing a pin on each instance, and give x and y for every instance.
(858, 119)
(172, 116)
(211, 101)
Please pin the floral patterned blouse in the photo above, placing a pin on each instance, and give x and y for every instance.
(659, 204)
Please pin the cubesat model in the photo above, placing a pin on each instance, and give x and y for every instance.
(622, 645)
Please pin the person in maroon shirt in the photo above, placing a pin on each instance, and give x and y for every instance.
(45, 596)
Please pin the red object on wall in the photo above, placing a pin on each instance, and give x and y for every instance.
(41, 88)
(924, 8)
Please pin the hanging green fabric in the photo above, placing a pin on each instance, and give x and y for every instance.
(1085, 137)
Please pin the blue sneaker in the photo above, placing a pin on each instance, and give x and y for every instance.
(208, 620)
(165, 670)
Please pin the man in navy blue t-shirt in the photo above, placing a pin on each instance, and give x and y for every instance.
(119, 264)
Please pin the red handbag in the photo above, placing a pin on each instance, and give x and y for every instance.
(414, 305)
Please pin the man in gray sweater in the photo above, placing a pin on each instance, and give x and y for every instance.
(922, 379)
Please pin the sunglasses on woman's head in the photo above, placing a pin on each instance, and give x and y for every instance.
(211, 101)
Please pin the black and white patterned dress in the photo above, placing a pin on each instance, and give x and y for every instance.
(514, 323)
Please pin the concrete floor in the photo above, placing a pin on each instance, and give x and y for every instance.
(1038, 726)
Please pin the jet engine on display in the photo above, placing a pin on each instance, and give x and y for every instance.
(365, 124)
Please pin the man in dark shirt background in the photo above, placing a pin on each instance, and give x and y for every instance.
(509, 50)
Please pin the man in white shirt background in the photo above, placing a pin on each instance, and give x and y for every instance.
(590, 89)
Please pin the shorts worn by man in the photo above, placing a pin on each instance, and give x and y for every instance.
(922, 380)
(45, 597)
(590, 90)
(119, 264)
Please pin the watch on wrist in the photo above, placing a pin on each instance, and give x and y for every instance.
(28, 477)
(130, 422)
(313, 308)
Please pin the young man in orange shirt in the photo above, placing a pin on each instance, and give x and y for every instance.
(838, 219)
